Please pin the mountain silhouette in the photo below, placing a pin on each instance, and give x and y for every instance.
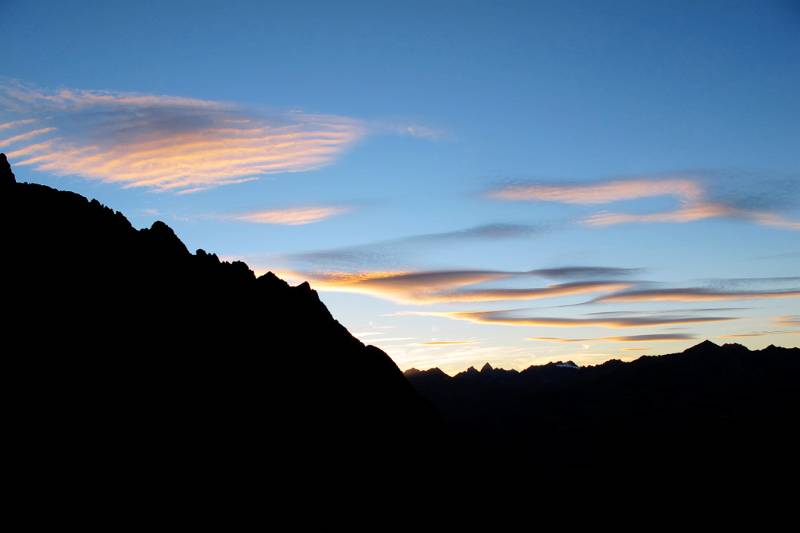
(720, 412)
(132, 358)
(137, 365)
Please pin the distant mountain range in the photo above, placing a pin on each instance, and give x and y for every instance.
(715, 409)
(134, 362)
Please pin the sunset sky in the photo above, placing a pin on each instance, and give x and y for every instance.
(463, 182)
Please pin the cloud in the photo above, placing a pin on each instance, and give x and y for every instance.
(738, 282)
(602, 193)
(557, 340)
(509, 318)
(292, 216)
(692, 213)
(788, 320)
(411, 129)
(682, 311)
(655, 337)
(756, 334)
(563, 289)
(404, 287)
(693, 295)
(165, 142)
(445, 343)
(400, 249)
(571, 272)
(693, 198)
(447, 286)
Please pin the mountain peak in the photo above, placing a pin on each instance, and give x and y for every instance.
(6, 175)
(703, 346)
(486, 368)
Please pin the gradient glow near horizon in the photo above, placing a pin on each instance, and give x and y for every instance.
(463, 182)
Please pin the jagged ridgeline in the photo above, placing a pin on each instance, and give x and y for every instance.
(710, 412)
(122, 336)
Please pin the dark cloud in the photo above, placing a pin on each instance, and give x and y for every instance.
(694, 295)
(509, 317)
(585, 272)
(398, 251)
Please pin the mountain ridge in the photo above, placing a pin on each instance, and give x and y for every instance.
(487, 367)
(122, 335)
(633, 420)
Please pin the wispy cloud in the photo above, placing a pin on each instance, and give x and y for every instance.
(445, 343)
(559, 340)
(292, 216)
(602, 193)
(585, 272)
(654, 337)
(401, 249)
(449, 286)
(693, 197)
(693, 295)
(511, 318)
(550, 291)
(757, 334)
(165, 142)
(788, 320)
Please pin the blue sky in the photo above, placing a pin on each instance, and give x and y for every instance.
(410, 158)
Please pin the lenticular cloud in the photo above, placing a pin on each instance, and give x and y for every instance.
(163, 142)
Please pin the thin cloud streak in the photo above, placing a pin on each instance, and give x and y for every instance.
(693, 295)
(509, 319)
(602, 193)
(292, 216)
(788, 320)
(656, 337)
(444, 343)
(387, 251)
(551, 291)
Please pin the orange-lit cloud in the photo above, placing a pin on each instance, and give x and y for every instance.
(603, 193)
(694, 295)
(426, 287)
(290, 216)
(692, 213)
(16, 123)
(788, 320)
(24, 136)
(689, 213)
(692, 197)
(165, 142)
(404, 287)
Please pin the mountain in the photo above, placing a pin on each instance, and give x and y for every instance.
(711, 411)
(131, 357)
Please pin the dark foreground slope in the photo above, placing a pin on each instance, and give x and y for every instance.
(131, 357)
(709, 413)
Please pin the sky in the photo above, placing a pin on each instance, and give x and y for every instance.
(463, 182)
